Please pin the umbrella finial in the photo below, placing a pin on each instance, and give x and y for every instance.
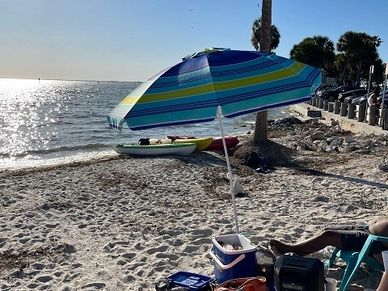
(204, 52)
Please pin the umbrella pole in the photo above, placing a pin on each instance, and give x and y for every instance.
(219, 113)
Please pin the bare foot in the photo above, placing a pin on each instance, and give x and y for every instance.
(275, 251)
(279, 248)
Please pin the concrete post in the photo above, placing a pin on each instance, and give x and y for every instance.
(320, 103)
(384, 117)
(351, 111)
(337, 105)
(330, 107)
(372, 115)
(361, 113)
(325, 104)
(344, 109)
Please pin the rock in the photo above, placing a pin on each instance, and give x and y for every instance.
(311, 147)
(382, 138)
(318, 136)
(363, 151)
(337, 129)
(333, 122)
(331, 149)
(323, 146)
(69, 249)
(300, 146)
(383, 165)
(336, 142)
(346, 149)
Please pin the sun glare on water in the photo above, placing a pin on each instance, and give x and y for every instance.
(26, 111)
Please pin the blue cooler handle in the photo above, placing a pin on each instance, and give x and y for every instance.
(228, 266)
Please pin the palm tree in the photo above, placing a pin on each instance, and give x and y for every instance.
(261, 128)
(360, 51)
(255, 39)
(316, 51)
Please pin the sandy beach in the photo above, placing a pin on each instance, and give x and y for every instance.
(122, 223)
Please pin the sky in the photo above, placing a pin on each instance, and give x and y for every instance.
(131, 40)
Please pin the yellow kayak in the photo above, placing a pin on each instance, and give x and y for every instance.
(202, 143)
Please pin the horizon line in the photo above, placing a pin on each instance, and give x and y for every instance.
(75, 80)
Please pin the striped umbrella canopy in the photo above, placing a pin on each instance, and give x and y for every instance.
(239, 81)
(212, 83)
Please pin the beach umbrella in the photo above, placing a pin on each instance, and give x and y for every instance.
(215, 83)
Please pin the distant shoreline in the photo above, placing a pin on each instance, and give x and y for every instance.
(53, 79)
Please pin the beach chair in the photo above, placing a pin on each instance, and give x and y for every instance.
(354, 259)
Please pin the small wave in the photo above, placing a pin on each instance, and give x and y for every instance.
(62, 149)
(36, 164)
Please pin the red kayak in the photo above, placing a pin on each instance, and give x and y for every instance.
(216, 145)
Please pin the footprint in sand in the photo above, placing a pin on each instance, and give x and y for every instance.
(32, 285)
(129, 256)
(202, 232)
(167, 256)
(24, 240)
(38, 266)
(190, 249)
(157, 250)
(44, 279)
(95, 285)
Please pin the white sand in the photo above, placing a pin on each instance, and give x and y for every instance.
(122, 224)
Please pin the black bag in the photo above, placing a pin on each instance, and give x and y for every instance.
(299, 273)
(144, 141)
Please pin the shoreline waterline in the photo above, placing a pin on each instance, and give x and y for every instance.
(80, 158)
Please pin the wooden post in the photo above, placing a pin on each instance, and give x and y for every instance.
(361, 113)
(325, 104)
(372, 115)
(344, 109)
(351, 111)
(337, 105)
(330, 107)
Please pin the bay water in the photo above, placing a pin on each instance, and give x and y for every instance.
(44, 122)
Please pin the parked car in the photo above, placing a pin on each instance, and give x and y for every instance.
(321, 90)
(349, 95)
(332, 94)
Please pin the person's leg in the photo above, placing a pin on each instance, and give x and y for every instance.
(383, 286)
(312, 245)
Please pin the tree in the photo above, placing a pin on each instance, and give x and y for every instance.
(261, 128)
(255, 39)
(360, 52)
(317, 51)
(378, 74)
(341, 67)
